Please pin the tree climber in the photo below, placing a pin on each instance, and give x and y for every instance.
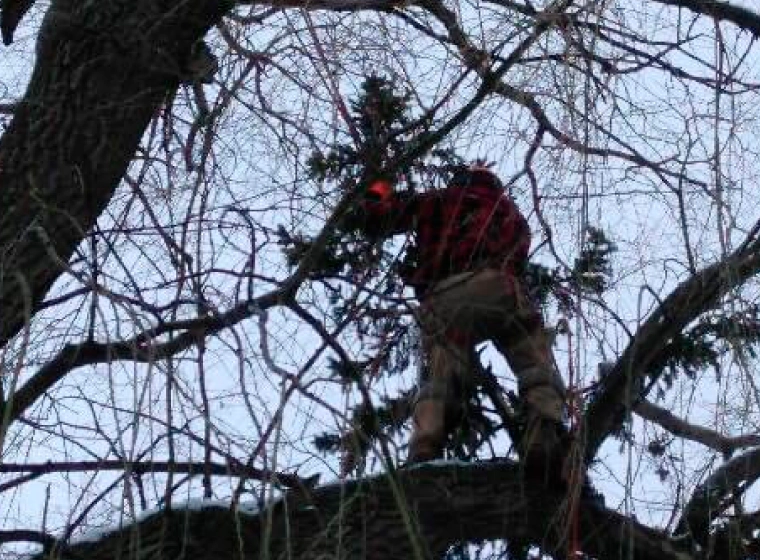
(470, 245)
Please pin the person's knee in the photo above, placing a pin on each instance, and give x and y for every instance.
(547, 400)
(540, 374)
(543, 390)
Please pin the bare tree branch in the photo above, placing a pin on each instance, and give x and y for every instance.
(68, 147)
(27, 536)
(334, 5)
(709, 499)
(11, 13)
(140, 467)
(619, 390)
(480, 61)
(721, 10)
(141, 348)
(679, 427)
(365, 520)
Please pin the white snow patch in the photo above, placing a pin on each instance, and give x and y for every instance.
(195, 504)
(440, 463)
(198, 504)
(93, 535)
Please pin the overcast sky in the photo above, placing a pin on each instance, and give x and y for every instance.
(261, 172)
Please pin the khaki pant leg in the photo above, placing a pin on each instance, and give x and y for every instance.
(525, 345)
(438, 404)
(447, 350)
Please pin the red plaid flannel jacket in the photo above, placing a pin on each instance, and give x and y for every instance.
(455, 229)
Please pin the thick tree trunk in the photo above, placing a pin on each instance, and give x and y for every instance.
(416, 514)
(103, 70)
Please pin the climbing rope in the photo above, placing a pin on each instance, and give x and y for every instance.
(574, 476)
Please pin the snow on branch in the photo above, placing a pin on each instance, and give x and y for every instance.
(415, 513)
(711, 497)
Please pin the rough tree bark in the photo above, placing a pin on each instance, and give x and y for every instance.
(103, 70)
(415, 514)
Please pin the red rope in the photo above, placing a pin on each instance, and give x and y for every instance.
(573, 392)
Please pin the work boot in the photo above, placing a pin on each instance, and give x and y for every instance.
(542, 449)
(429, 431)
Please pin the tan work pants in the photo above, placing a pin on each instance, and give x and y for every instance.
(473, 307)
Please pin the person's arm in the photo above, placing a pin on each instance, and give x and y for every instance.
(519, 233)
(387, 212)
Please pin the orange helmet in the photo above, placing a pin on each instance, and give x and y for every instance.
(381, 188)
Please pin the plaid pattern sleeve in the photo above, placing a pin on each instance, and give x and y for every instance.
(390, 217)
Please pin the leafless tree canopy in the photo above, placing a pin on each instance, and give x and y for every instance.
(172, 371)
